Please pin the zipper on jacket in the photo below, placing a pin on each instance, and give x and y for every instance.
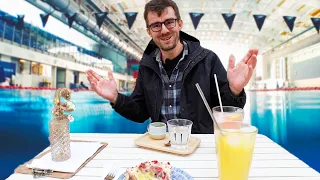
(156, 109)
(191, 61)
(183, 81)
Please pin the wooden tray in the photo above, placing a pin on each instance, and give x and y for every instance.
(146, 141)
(23, 169)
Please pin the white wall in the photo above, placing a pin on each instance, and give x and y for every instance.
(25, 77)
(290, 49)
(25, 80)
(35, 80)
(54, 77)
(315, 82)
(301, 56)
(5, 58)
(83, 78)
(297, 52)
(69, 77)
(26, 68)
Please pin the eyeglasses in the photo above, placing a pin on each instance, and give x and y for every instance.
(169, 23)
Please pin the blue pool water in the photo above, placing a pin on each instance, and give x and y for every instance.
(24, 118)
(292, 120)
(289, 118)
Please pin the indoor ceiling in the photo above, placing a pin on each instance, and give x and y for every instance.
(212, 27)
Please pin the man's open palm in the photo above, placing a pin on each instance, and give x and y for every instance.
(105, 88)
(239, 75)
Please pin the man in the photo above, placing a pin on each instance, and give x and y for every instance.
(83, 85)
(172, 64)
(6, 82)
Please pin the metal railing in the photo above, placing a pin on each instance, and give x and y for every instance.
(35, 40)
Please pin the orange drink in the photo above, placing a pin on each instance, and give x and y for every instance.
(234, 147)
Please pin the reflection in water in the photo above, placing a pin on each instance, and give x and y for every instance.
(25, 116)
(291, 119)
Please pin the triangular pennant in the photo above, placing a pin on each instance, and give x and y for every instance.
(316, 23)
(131, 17)
(196, 17)
(259, 18)
(100, 18)
(71, 19)
(228, 18)
(289, 21)
(20, 24)
(44, 19)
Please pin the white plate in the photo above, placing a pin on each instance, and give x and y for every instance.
(177, 174)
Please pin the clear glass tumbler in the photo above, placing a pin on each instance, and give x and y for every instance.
(179, 132)
(229, 113)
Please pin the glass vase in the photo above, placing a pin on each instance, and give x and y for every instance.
(60, 138)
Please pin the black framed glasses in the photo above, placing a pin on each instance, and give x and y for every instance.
(169, 23)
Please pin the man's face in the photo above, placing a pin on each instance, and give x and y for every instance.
(165, 35)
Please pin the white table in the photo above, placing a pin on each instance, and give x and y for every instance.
(270, 161)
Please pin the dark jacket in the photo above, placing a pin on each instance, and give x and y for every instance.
(199, 67)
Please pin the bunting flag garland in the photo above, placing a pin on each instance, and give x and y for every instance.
(100, 17)
(44, 19)
(71, 19)
(316, 23)
(196, 17)
(259, 18)
(131, 17)
(228, 18)
(20, 24)
(289, 21)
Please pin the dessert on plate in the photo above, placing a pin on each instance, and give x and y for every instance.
(149, 170)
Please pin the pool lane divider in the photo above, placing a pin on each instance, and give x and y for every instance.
(289, 89)
(54, 89)
(36, 88)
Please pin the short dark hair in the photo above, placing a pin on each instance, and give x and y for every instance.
(158, 6)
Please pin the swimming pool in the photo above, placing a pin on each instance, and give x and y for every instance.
(24, 118)
(289, 118)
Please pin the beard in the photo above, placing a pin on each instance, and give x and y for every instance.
(168, 46)
(165, 47)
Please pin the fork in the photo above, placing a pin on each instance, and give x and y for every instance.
(111, 174)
